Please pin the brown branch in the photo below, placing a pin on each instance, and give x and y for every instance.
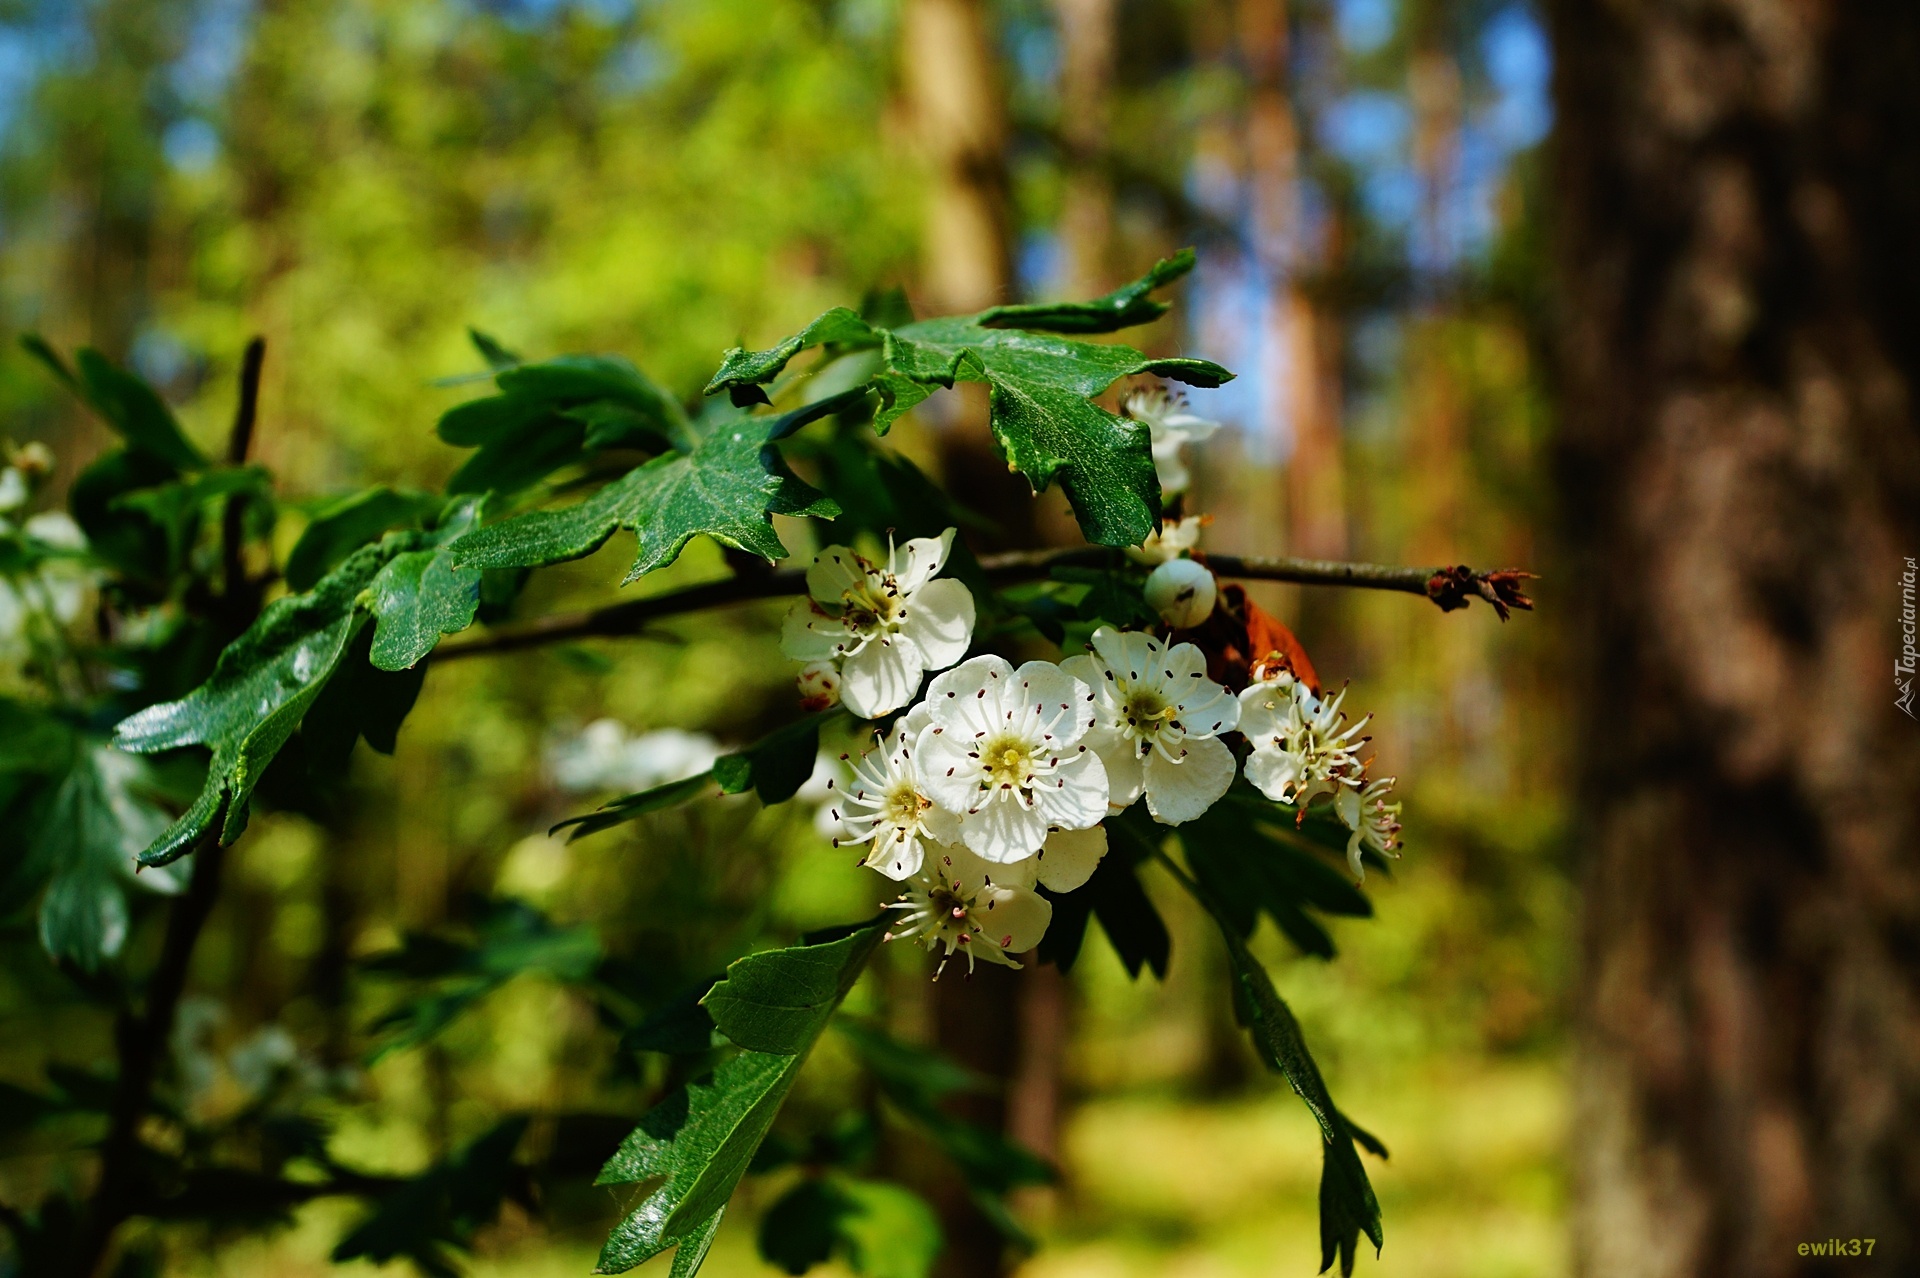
(1450, 588)
(141, 1040)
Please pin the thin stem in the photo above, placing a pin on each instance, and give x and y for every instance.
(1448, 587)
(141, 1040)
(234, 583)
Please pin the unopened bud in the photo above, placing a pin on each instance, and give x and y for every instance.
(819, 686)
(1183, 592)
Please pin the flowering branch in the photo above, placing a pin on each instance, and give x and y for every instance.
(1449, 587)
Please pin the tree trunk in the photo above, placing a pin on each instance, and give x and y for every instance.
(956, 103)
(1738, 183)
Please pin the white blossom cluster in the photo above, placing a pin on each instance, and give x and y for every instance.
(1303, 748)
(997, 779)
(55, 592)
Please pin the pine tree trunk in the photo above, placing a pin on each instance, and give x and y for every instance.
(1738, 184)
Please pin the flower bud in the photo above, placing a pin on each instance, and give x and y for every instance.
(819, 685)
(1182, 591)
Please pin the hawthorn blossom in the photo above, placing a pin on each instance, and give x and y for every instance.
(1171, 540)
(1182, 591)
(1300, 747)
(955, 902)
(1375, 822)
(1064, 862)
(886, 807)
(1005, 749)
(1172, 424)
(819, 683)
(1158, 720)
(885, 626)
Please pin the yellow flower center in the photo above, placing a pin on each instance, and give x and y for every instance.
(1007, 761)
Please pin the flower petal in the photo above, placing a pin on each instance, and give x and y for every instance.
(952, 694)
(1180, 791)
(947, 775)
(1013, 918)
(915, 562)
(939, 621)
(1005, 830)
(1207, 709)
(1077, 798)
(898, 859)
(1125, 778)
(1052, 702)
(835, 571)
(880, 678)
(805, 635)
(1131, 655)
(1271, 773)
(1070, 857)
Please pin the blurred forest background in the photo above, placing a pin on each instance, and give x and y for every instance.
(360, 180)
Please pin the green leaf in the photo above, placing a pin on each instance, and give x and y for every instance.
(1348, 1207)
(633, 806)
(440, 1210)
(452, 973)
(260, 688)
(552, 414)
(1125, 307)
(102, 815)
(1115, 896)
(728, 487)
(881, 1230)
(343, 526)
(1040, 386)
(125, 402)
(916, 1080)
(125, 538)
(702, 1138)
(777, 765)
(419, 595)
(778, 1001)
(1249, 864)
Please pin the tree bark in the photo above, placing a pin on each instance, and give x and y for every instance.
(1737, 187)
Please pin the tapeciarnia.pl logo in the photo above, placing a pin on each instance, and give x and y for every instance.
(1903, 665)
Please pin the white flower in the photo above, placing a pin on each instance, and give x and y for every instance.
(955, 902)
(1159, 720)
(1171, 424)
(604, 757)
(1300, 749)
(13, 490)
(1065, 862)
(884, 627)
(1004, 748)
(1182, 591)
(1170, 540)
(1375, 822)
(819, 683)
(885, 806)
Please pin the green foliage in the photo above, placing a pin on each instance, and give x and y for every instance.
(73, 814)
(123, 402)
(429, 1215)
(554, 414)
(699, 1141)
(1114, 896)
(345, 524)
(1040, 387)
(881, 1230)
(260, 689)
(776, 766)
(631, 807)
(726, 482)
(917, 1082)
(450, 973)
(1250, 860)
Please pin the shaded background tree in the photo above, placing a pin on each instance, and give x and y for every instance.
(1742, 480)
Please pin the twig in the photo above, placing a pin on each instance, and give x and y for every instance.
(1448, 587)
(141, 1040)
(233, 581)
